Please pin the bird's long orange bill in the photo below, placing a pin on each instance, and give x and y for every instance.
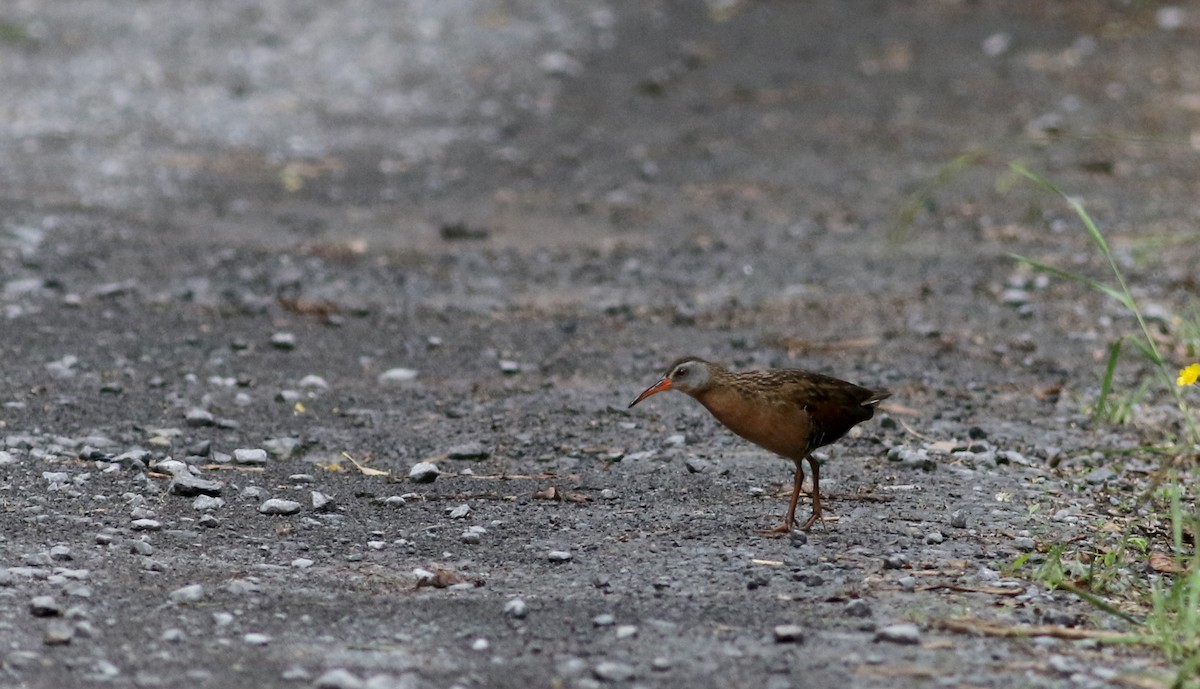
(662, 385)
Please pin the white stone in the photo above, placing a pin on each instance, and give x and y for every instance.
(396, 375)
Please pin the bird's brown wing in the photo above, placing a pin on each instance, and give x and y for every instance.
(834, 406)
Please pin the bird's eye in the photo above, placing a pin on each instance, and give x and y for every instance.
(681, 372)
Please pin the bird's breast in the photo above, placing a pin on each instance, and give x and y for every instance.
(780, 428)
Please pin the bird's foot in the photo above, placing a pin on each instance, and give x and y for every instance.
(812, 519)
(777, 532)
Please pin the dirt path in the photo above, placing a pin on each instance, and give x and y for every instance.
(470, 234)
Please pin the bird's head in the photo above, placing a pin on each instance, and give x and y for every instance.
(687, 374)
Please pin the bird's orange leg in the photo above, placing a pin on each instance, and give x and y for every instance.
(790, 519)
(816, 496)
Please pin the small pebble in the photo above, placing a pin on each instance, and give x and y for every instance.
(603, 620)
(1014, 297)
(958, 519)
(44, 606)
(625, 631)
(338, 678)
(315, 382)
(281, 448)
(468, 451)
(203, 503)
(1024, 543)
(61, 553)
(559, 64)
(858, 608)
(199, 417)
(187, 594)
(320, 501)
(423, 472)
(59, 633)
(480, 645)
(187, 485)
(458, 512)
(1169, 17)
(516, 608)
(509, 367)
(396, 375)
(302, 563)
(612, 671)
(934, 537)
(145, 525)
(256, 639)
(250, 456)
(141, 513)
(283, 340)
(173, 467)
(56, 478)
(280, 506)
(789, 633)
(559, 556)
(996, 44)
(906, 633)
(288, 396)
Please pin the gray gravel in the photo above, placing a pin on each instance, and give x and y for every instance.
(240, 240)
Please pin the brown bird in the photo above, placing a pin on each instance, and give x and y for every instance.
(787, 411)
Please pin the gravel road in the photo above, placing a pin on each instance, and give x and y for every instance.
(319, 323)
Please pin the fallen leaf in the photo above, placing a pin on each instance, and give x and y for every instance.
(990, 590)
(938, 644)
(365, 470)
(553, 493)
(550, 493)
(897, 670)
(1161, 562)
(987, 628)
(509, 477)
(442, 578)
(944, 446)
(1049, 393)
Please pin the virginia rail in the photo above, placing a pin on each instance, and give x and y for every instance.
(787, 411)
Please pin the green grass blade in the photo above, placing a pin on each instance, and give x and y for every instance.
(1101, 409)
(1124, 299)
(1149, 352)
(906, 217)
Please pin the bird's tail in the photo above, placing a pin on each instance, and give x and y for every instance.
(876, 397)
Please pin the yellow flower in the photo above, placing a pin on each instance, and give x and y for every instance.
(1188, 376)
